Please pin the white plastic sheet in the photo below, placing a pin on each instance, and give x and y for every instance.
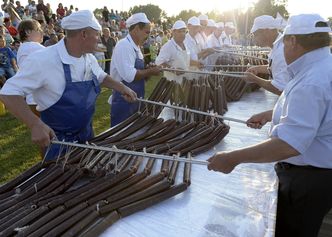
(239, 204)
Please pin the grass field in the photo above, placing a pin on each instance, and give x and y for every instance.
(17, 153)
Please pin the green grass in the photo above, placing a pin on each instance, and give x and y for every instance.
(18, 153)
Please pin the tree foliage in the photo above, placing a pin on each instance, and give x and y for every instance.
(153, 12)
(186, 14)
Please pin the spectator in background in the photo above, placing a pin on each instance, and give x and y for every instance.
(109, 43)
(8, 66)
(15, 46)
(50, 12)
(60, 11)
(105, 14)
(52, 40)
(11, 29)
(32, 8)
(4, 32)
(70, 11)
(42, 7)
(26, 14)
(19, 9)
(31, 35)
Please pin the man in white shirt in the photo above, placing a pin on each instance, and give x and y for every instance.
(265, 32)
(65, 86)
(196, 53)
(229, 30)
(301, 131)
(175, 54)
(127, 66)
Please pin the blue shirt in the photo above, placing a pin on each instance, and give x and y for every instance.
(302, 116)
(6, 56)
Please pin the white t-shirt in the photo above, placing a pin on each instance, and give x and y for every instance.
(23, 52)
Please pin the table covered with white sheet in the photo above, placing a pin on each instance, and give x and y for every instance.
(239, 204)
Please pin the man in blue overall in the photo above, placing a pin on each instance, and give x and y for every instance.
(64, 80)
(127, 66)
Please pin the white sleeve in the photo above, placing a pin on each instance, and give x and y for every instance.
(123, 59)
(96, 69)
(25, 81)
(164, 55)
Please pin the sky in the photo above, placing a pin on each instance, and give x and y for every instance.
(173, 7)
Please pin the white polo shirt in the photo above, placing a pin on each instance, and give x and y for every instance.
(193, 46)
(302, 116)
(123, 60)
(280, 75)
(42, 74)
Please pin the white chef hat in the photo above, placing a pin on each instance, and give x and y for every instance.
(220, 24)
(179, 25)
(306, 24)
(194, 21)
(265, 22)
(137, 18)
(211, 23)
(203, 17)
(79, 20)
(229, 24)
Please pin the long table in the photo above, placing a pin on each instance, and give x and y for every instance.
(239, 204)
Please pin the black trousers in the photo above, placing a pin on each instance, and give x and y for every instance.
(304, 198)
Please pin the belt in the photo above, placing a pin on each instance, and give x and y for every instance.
(287, 166)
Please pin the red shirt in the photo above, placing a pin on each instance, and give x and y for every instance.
(12, 31)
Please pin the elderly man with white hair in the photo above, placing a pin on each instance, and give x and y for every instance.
(301, 131)
(64, 86)
(265, 33)
(127, 66)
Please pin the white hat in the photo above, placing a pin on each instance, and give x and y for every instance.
(229, 25)
(137, 18)
(203, 17)
(79, 20)
(305, 24)
(220, 24)
(179, 25)
(194, 21)
(211, 23)
(265, 22)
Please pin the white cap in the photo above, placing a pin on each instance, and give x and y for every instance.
(194, 21)
(305, 24)
(179, 25)
(79, 20)
(229, 25)
(220, 24)
(265, 22)
(137, 18)
(211, 23)
(203, 17)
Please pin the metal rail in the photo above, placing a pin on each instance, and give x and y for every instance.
(221, 73)
(133, 153)
(193, 111)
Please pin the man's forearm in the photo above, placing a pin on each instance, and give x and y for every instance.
(19, 108)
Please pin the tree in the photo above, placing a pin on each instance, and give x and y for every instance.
(270, 7)
(186, 14)
(153, 12)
